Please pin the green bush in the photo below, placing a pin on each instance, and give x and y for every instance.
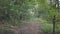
(47, 28)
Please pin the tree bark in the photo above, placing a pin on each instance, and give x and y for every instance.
(54, 19)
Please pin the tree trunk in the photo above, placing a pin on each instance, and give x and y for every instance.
(54, 19)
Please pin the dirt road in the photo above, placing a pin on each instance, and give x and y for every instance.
(32, 28)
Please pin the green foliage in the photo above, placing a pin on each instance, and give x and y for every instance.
(47, 28)
(17, 11)
(13, 9)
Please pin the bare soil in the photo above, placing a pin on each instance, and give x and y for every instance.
(32, 28)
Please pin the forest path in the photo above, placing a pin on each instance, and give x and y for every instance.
(31, 28)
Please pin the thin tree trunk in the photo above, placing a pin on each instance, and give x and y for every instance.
(54, 18)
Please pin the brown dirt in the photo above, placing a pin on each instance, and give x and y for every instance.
(32, 28)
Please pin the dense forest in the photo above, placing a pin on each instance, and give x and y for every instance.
(17, 16)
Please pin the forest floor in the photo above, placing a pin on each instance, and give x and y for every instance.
(31, 28)
(34, 27)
